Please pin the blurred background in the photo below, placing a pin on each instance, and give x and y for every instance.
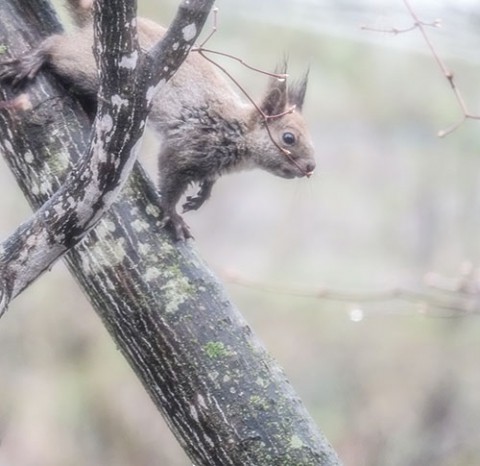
(388, 228)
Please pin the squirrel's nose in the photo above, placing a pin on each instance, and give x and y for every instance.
(310, 168)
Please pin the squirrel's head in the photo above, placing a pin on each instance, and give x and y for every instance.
(283, 143)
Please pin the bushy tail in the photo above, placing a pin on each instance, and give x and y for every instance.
(80, 10)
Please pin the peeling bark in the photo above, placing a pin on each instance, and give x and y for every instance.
(225, 399)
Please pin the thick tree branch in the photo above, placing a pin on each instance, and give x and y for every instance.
(225, 399)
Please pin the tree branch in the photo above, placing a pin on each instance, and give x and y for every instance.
(456, 304)
(225, 399)
(447, 73)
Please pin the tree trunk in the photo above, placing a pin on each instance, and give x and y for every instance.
(225, 399)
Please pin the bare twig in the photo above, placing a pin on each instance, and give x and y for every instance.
(449, 75)
(242, 62)
(214, 28)
(425, 301)
(393, 30)
(202, 48)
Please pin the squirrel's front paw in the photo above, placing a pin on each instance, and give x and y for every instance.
(192, 203)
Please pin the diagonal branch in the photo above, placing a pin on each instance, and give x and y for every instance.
(224, 397)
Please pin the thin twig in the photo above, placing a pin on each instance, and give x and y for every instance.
(214, 27)
(239, 60)
(395, 31)
(201, 48)
(446, 72)
(449, 75)
(420, 298)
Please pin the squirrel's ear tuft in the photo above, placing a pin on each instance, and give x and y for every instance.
(275, 100)
(296, 92)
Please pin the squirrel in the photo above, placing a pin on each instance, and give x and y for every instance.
(206, 128)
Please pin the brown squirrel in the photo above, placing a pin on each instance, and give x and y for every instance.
(206, 128)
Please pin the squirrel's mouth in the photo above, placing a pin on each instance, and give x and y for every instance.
(295, 172)
(299, 170)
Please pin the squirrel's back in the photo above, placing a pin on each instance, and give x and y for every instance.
(196, 83)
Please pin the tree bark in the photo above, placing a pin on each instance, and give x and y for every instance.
(225, 399)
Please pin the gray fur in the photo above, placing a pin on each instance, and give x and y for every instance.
(206, 128)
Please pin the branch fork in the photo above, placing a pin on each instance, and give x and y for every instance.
(92, 187)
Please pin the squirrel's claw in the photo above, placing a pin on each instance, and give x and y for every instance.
(177, 226)
(193, 203)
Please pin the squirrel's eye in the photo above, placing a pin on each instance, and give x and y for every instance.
(289, 138)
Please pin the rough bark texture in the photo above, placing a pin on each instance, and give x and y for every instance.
(225, 399)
